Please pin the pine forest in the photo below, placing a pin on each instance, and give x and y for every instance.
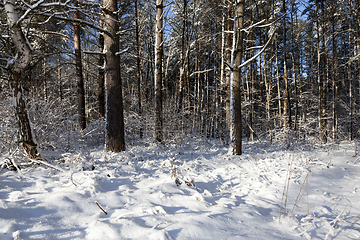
(112, 76)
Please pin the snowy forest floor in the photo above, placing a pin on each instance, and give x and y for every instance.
(190, 190)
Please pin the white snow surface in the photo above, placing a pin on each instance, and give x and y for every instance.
(193, 190)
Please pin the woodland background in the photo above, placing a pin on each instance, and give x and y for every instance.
(304, 83)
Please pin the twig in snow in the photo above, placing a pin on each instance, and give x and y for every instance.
(72, 180)
(286, 190)
(46, 164)
(337, 219)
(14, 164)
(101, 207)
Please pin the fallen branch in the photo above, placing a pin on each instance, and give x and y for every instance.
(101, 207)
(46, 164)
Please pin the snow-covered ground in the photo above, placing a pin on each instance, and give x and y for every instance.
(192, 190)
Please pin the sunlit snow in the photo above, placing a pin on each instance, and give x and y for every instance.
(190, 191)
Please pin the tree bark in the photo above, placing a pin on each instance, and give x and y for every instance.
(138, 66)
(101, 77)
(24, 54)
(158, 71)
(228, 71)
(287, 107)
(114, 139)
(235, 79)
(322, 81)
(182, 60)
(79, 72)
(334, 77)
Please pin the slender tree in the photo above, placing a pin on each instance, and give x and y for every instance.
(235, 79)
(79, 71)
(158, 71)
(101, 77)
(138, 66)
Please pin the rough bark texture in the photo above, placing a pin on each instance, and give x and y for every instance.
(182, 61)
(101, 79)
(287, 107)
(79, 72)
(236, 115)
(158, 71)
(138, 70)
(24, 54)
(114, 139)
(228, 57)
(25, 134)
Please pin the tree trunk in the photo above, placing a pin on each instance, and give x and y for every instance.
(114, 139)
(158, 71)
(101, 77)
(278, 89)
(79, 72)
(322, 78)
(59, 80)
(235, 79)
(182, 63)
(287, 107)
(268, 96)
(24, 54)
(228, 72)
(222, 83)
(251, 89)
(138, 69)
(334, 77)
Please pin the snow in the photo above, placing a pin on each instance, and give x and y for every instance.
(194, 190)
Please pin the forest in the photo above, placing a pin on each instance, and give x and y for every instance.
(277, 71)
(179, 119)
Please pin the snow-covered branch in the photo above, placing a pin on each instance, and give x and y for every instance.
(258, 54)
(123, 51)
(248, 29)
(29, 10)
(204, 71)
(93, 53)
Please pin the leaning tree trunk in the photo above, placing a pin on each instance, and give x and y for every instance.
(235, 80)
(114, 139)
(17, 68)
(158, 71)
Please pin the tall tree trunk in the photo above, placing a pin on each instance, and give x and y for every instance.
(79, 72)
(59, 81)
(268, 96)
(158, 71)
(278, 88)
(287, 107)
(251, 89)
(24, 54)
(334, 77)
(114, 138)
(183, 57)
(322, 79)
(222, 83)
(101, 77)
(138, 66)
(228, 71)
(235, 79)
